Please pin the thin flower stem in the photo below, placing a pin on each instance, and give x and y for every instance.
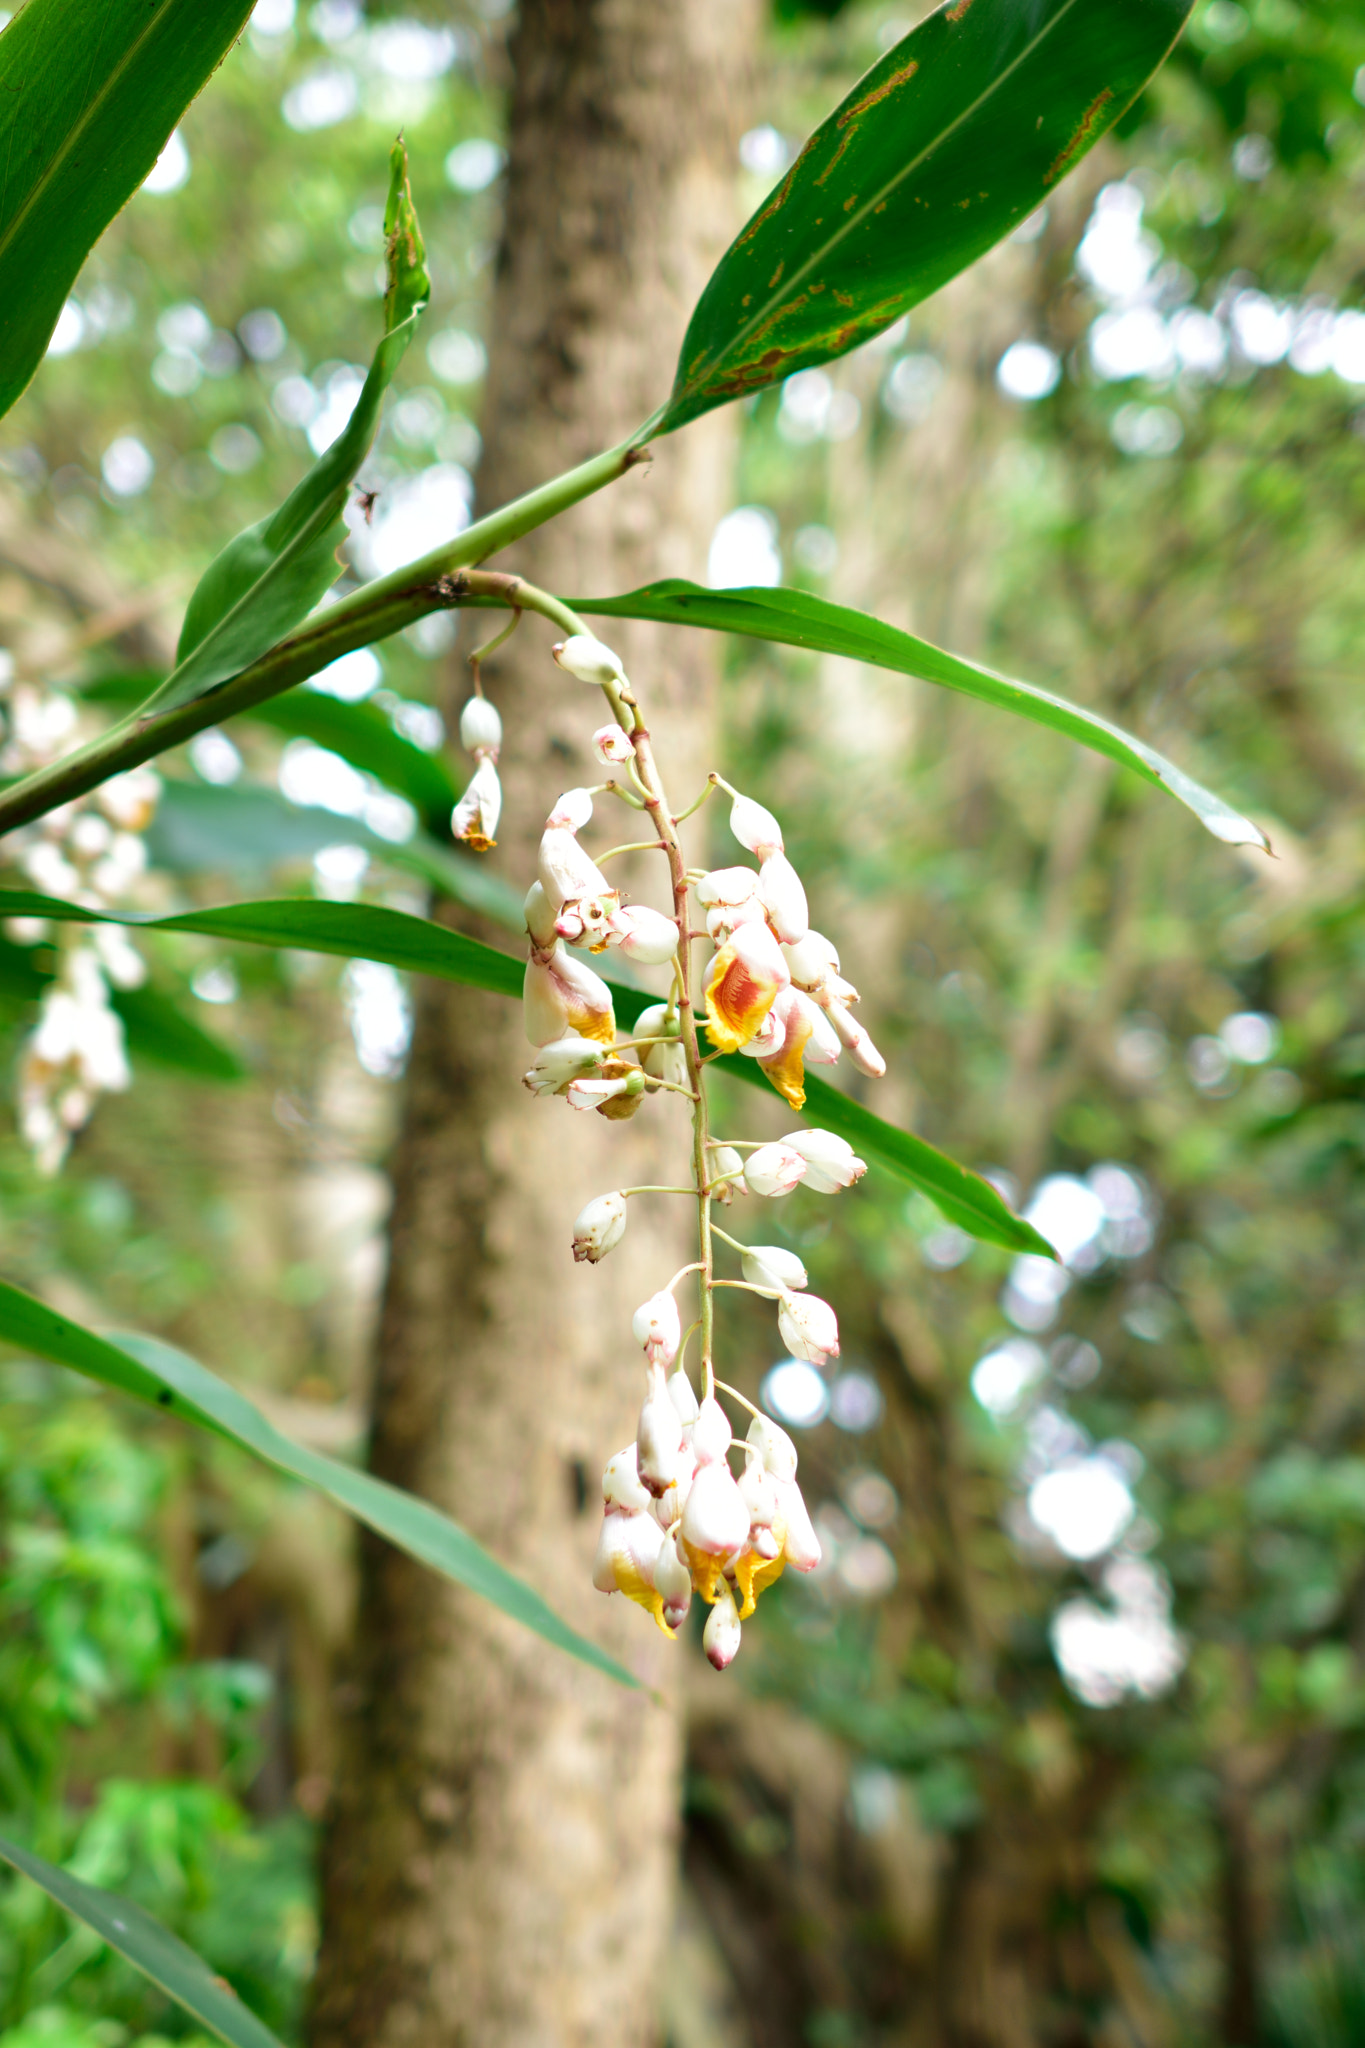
(734, 1241)
(634, 846)
(743, 1144)
(627, 1192)
(481, 654)
(748, 1287)
(673, 1087)
(688, 1334)
(743, 1401)
(681, 816)
(614, 788)
(682, 1274)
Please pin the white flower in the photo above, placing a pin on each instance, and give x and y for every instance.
(801, 1545)
(774, 1169)
(611, 744)
(754, 827)
(659, 1437)
(565, 871)
(628, 1547)
(561, 995)
(741, 984)
(562, 1061)
(720, 1638)
(761, 1497)
(589, 920)
(644, 935)
(665, 1059)
(727, 1173)
(768, 1265)
(118, 956)
(774, 1447)
(808, 1327)
(812, 960)
(540, 917)
(831, 1163)
(729, 886)
(480, 728)
(599, 1227)
(684, 1399)
(784, 899)
(724, 919)
(656, 1325)
(572, 811)
(130, 799)
(588, 659)
(621, 1487)
(711, 1433)
(474, 821)
(715, 1521)
(603, 1091)
(673, 1580)
(860, 1048)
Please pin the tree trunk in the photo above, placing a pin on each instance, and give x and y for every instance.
(498, 1867)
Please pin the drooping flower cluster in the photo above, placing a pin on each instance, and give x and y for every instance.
(678, 1518)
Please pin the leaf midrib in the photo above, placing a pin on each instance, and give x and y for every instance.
(80, 127)
(856, 219)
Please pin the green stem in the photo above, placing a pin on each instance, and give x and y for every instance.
(440, 581)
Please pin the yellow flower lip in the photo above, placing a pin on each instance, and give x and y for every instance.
(743, 986)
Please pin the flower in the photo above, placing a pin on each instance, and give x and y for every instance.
(599, 1227)
(588, 659)
(797, 1031)
(808, 1327)
(656, 1325)
(561, 995)
(589, 920)
(831, 1163)
(560, 1062)
(644, 935)
(565, 871)
(611, 744)
(130, 799)
(665, 1057)
(800, 1544)
(540, 917)
(754, 827)
(628, 1551)
(774, 1169)
(861, 1050)
(711, 1433)
(659, 1437)
(784, 899)
(681, 1394)
(729, 896)
(480, 728)
(673, 1582)
(474, 820)
(615, 1091)
(767, 1265)
(811, 960)
(742, 984)
(720, 1637)
(572, 811)
(727, 1174)
(715, 1524)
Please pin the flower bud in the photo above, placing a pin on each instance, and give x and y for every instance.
(562, 1061)
(774, 1447)
(644, 935)
(729, 886)
(808, 1327)
(720, 1637)
(715, 1521)
(540, 917)
(727, 1174)
(588, 659)
(800, 1545)
(784, 899)
(561, 995)
(768, 1265)
(831, 1162)
(474, 821)
(773, 1170)
(812, 960)
(480, 727)
(861, 1050)
(659, 1437)
(759, 1492)
(754, 827)
(621, 1487)
(711, 1433)
(612, 745)
(667, 1509)
(565, 871)
(665, 1059)
(680, 1393)
(674, 1583)
(628, 1547)
(599, 1227)
(572, 811)
(657, 1326)
(724, 919)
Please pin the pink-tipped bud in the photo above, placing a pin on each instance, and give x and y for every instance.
(720, 1637)
(808, 1327)
(474, 821)
(599, 1227)
(657, 1326)
(572, 811)
(784, 899)
(612, 746)
(715, 1521)
(768, 1265)
(727, 1174)
(831, 1162)
(755, 828)
(760, 1494)
(774, 1170)
(588, 659)
(480, 728)
(711, 1433)
(860, 1048)
(644, 935)
(673, 1580)
(659, 1437)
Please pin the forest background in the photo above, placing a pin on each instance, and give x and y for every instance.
(1065, 1741)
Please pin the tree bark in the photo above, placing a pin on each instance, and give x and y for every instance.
(498, 1866)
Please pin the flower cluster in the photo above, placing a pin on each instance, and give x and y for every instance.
(678, 1518)
(90, 852)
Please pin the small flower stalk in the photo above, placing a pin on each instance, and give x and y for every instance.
(688, 1509)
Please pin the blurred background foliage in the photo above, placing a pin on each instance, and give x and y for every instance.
(1066, 1742)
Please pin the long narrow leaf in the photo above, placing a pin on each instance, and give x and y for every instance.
(796, 619)
(89, 92)
(366, 931)
(179, 1385)
(269, 578)
(946, 144)
(149, 1947)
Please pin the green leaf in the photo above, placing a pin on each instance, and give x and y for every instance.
(90, 91)
(957, 134)
(270, 577)
(368, 932)
(149, 1947)
(179, 1385)
(796, 619)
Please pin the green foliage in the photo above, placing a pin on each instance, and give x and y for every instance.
(81, 133)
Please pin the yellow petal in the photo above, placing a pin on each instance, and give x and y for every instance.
(737, 999)
(754, 1573)
(630, 1582)
(706, 1572)
(786, 1070)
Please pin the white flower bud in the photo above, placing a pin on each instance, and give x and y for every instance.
(784, 899)
(599, 1227)
(768, 1265)
(760, 1494)
(621, 1487)
(715, 1521)
(680, 1393)
(540, 917)
(612, 745)
(589, 659)
(720, 1637)
(565, 871)
(667, 1509)
(480, 727)
(729, 886)
(628, 1547)
(644, 935)
(711, 1433)
(861, 1050)
(561, 995)
(665, 1059)
(727, 1173)
(572, 811)
(773, 1170)
(657, 1326)
(812, 960)
(800, 1545)
(674, 1583)
(474, 821)
(808, 1327)
(659, 1437)
(723, 920)
(774, 1446)
(754, 827)
(831, 1162)
(562, 1061)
